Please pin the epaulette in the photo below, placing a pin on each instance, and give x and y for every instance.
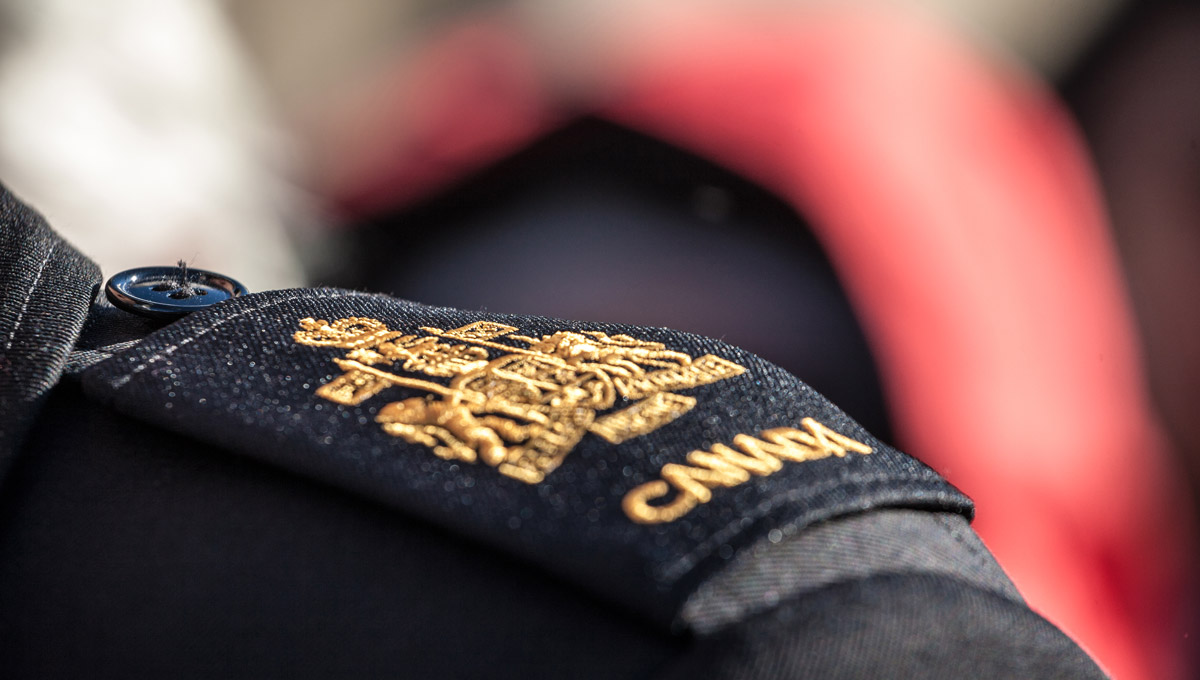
(634, 462)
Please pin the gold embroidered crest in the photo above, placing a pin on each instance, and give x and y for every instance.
(520, 409)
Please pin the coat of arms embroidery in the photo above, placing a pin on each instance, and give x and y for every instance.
(517, 403)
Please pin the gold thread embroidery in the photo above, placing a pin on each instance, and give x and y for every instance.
(518, 409)
(643, 417)
(722, 466)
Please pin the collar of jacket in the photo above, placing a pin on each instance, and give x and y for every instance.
(46, 288)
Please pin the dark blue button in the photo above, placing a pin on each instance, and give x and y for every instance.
(169, 292)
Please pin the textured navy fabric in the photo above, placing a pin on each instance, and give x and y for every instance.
(234, 376)
(854, 548)
(891, 626)
(106, 330)
(46, 287)
(129, 551)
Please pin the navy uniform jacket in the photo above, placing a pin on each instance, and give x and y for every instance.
(329, 483)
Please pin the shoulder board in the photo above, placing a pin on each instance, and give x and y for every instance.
(631, 461)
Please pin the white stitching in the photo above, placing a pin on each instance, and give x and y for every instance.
(163, 353)
(21, 314)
